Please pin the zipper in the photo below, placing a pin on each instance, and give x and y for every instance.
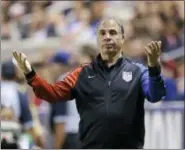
(108, 96)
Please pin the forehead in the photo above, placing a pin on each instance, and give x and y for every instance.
(109, 24)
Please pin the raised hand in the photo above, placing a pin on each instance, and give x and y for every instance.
(153, 51)
(22, 62)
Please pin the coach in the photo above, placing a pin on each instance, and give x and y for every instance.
(109, 92)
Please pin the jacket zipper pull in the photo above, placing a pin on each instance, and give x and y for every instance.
(109, 82)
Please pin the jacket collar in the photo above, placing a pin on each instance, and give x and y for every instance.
(102, 64)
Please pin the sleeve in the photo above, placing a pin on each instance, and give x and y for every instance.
(25, 117)
(60, 91)
(59, 112)
(152, 83)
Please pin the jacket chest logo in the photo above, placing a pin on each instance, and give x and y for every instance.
(127, 76)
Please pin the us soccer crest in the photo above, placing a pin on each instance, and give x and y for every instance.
(127, 76)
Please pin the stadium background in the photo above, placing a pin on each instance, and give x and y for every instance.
(67, 30)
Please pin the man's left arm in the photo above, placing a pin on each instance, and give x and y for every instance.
(152, 84)
(151, 80)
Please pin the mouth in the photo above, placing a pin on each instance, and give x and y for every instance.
(109, 45)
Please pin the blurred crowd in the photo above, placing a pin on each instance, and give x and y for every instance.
(74, 22)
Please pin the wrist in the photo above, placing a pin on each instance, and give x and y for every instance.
(154, 63)
(30, 74)
(27, 72)
(154, 70)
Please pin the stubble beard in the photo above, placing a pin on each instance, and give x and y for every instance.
(110, 56)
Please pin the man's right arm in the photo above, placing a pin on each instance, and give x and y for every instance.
(61, 90)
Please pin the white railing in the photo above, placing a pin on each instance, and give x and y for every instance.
(164, 126)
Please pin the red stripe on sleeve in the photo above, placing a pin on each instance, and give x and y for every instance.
(55, 92)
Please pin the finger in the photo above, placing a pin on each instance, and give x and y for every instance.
(156, 50)
(23, 57)
(148, 51)
(20, 58)
(159, 45)
(155, 45)
(14, 59)
(16, 56)
(150, 46)
(153, 50)
(13, 53)
(24, 61)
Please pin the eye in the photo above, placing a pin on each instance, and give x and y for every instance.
(102, 33)
(113, 32)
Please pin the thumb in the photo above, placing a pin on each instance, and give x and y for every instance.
(26, 64)
(14, 61)
(159, 43)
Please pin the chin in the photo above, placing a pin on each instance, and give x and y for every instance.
(110, 50)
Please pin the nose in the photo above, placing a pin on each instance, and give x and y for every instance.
(107, 37)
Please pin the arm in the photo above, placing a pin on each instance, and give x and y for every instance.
(26, 118)
(152, 84)
(59, 135)
(51, 93)
(38, 128)
(151, 81)
(59, 118)
(61, 90)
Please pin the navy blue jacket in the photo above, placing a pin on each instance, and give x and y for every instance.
(110, 101)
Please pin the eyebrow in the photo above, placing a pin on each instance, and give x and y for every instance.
(100, 30)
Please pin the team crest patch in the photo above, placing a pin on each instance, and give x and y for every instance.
(127, 76)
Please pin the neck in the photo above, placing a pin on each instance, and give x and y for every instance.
(111, 60)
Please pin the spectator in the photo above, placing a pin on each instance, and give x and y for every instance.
(5, 29)
(170, 39)
(12, 97)
(64, 118)
(180, 79)
(88, 53)
(39, 108)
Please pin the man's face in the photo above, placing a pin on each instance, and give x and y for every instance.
(110, 38)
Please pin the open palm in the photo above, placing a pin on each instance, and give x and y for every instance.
(22, 62)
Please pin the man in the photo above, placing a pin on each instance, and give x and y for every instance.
(64, 117)
(88, 53)
(14, 104)
(109, 91)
